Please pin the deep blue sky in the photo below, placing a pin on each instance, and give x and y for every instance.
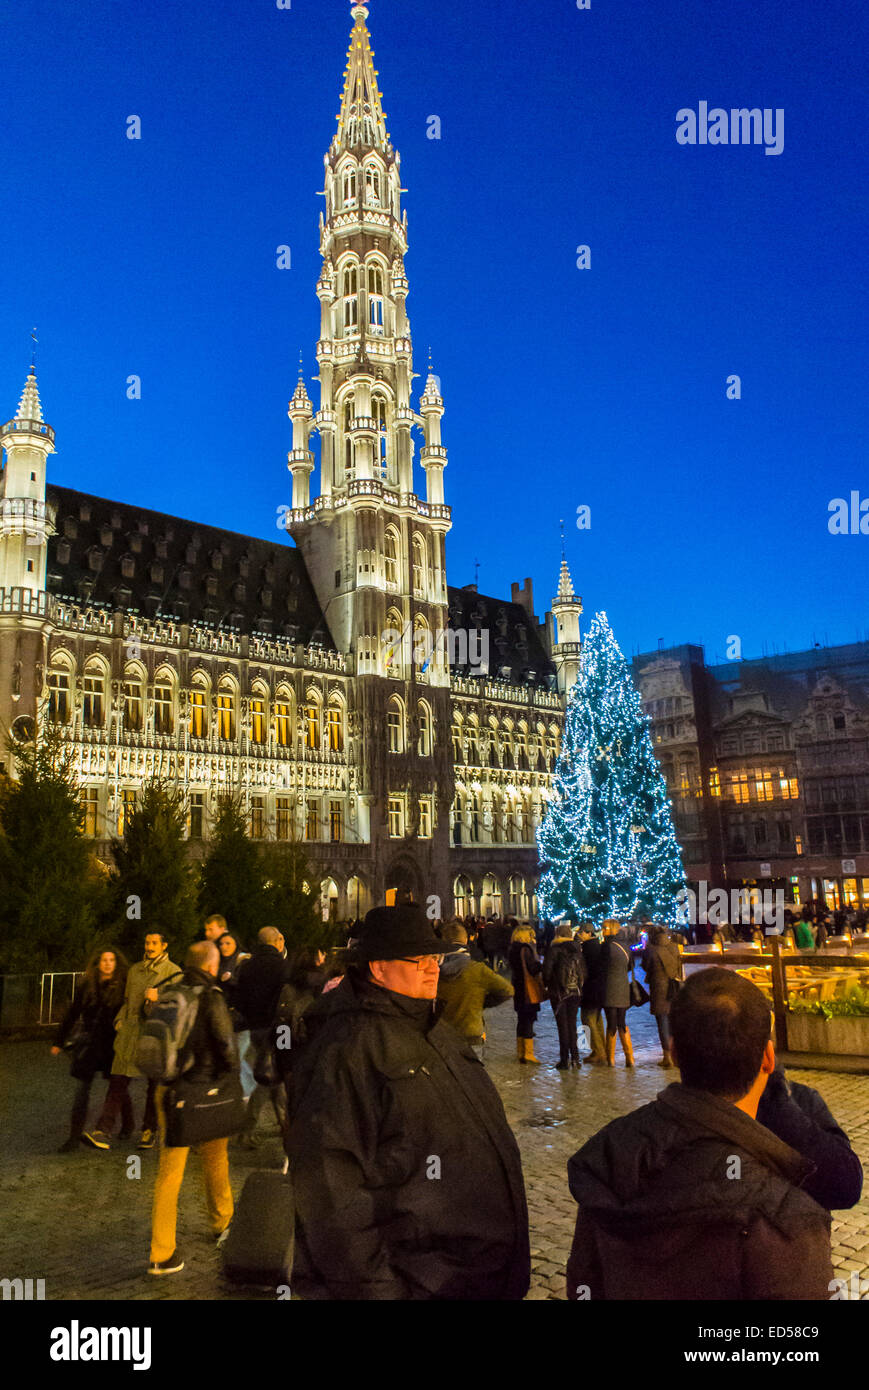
(562, 387)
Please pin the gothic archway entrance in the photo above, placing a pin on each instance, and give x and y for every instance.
(402, 883)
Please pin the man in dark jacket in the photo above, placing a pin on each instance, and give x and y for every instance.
(407, 1177)
(258, 988)
(212, 1046)
(690, 1197)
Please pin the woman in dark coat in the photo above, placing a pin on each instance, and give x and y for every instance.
(616, 969)
(564, 975)
(662, 968)
(232, 953)
(92, 1014)
(525, 964)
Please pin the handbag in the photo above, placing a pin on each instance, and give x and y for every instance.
(197, 1111)
(535, 990)
(639, 995)
(265, 1071)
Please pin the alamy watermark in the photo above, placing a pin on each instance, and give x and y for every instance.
(738, 126)
(741, 906)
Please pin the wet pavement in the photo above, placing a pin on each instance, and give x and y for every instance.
(81, 1221)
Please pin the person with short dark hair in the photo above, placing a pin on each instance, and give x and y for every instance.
(139, 994)
(564, 976)
(690, 1197)
(214, 927)
(662, 968)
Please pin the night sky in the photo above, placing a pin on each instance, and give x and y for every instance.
(563, 387)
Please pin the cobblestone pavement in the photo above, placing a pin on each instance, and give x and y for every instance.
(81, 1222)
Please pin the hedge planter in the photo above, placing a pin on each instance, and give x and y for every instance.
(844, 1037)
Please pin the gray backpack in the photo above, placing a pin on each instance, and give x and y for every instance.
(165, 1033)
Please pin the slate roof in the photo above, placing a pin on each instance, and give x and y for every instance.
(515, 648)
(117, 556)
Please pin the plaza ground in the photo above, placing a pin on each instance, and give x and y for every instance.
(82, 1224)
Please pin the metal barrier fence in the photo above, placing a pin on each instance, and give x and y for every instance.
(26, 1000)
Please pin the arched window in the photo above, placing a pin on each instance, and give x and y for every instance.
(473, 737)
(226, 711)
(335, 727)
(258, 719)
(351, 300)
(456, 733)
(283, 716)
(372, 183)
(422, 645)
(375, 298)
(198, 708)
(395, 726)
(60, 691)
(522, 746)
(164, 702)
(424, 743)
(94, 697)
(349, 187)
(393, 639)
(312, 723)
(378, 410)
(349, 446)
(461, 889)
(133, 700)
(390, 555)
(419, 566)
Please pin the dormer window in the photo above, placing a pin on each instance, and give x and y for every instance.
(372, 185)
(375, 298)
(70, 527)
(349, 188)
(63, 552)
(106, 536)
(162, 548)
(216, 559)
(351, 300)
(128, 566)
(84, 511)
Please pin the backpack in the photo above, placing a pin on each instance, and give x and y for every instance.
(165, 1033)
(566, 973)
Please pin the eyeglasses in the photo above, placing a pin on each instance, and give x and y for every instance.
(420, 961)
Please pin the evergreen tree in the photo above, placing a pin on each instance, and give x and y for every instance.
(232, 878)
(607, 841)
(293, 903)
(51, 890)
(155, 883)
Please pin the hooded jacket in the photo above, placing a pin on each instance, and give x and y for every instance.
(690, 1198)
(467, 987)
(407, 1177)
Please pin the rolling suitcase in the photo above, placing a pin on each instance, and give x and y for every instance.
(259, 1248)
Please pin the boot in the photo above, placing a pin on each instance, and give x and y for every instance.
(520, 1050)
(529, 1051)
(610, 1049)
(666, 1060)
(627, 1047)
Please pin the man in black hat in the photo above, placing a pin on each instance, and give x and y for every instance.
(407, 1178)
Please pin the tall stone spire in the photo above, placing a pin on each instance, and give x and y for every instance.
(567, 609)
(30, 407)
(361, 120)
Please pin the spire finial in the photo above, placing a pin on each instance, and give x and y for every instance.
(33, 350)
(563, 554)
(301, 366)
(476, 571)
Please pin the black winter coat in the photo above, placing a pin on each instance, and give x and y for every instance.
(212, 1038)
(258, 985)
(616, 970)
(592, 990)
(407, 1177)
(800, 1117)
(518, 955)
(661, 964)
(557, 968)
(664, 1213)
(94, 1009)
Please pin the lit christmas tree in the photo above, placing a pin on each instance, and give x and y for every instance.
(607, 840)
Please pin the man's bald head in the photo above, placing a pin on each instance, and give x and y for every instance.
(270, 936)
(204, 955)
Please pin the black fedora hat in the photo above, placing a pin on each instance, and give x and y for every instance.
(393, 933)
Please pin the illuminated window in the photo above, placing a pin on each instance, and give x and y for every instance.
(473, 737)
(739, 786)
(312, 821)
(372, 180)
(375, 301)
(391, 558)
(425, 818)
(90, 805)
(163, 712)
(763, 786)
(351, 300)
(257, 720)
(336, 821)
(133, 704)
(283, 818)
(378, 412)
(789, 787)
(335, 728)
(127, 807)
(522, 747)
(396, 817)
(456, 734)
(257, 818)
(93, 703)
(395, 727)
(423, 746)
(418, 567)
(198, 721)
(226, 713)
(349, 187)
(282, 723)
(58, 697)
(714, 782)
(312, 720)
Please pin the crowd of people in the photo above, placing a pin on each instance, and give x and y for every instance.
(406, 1177)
